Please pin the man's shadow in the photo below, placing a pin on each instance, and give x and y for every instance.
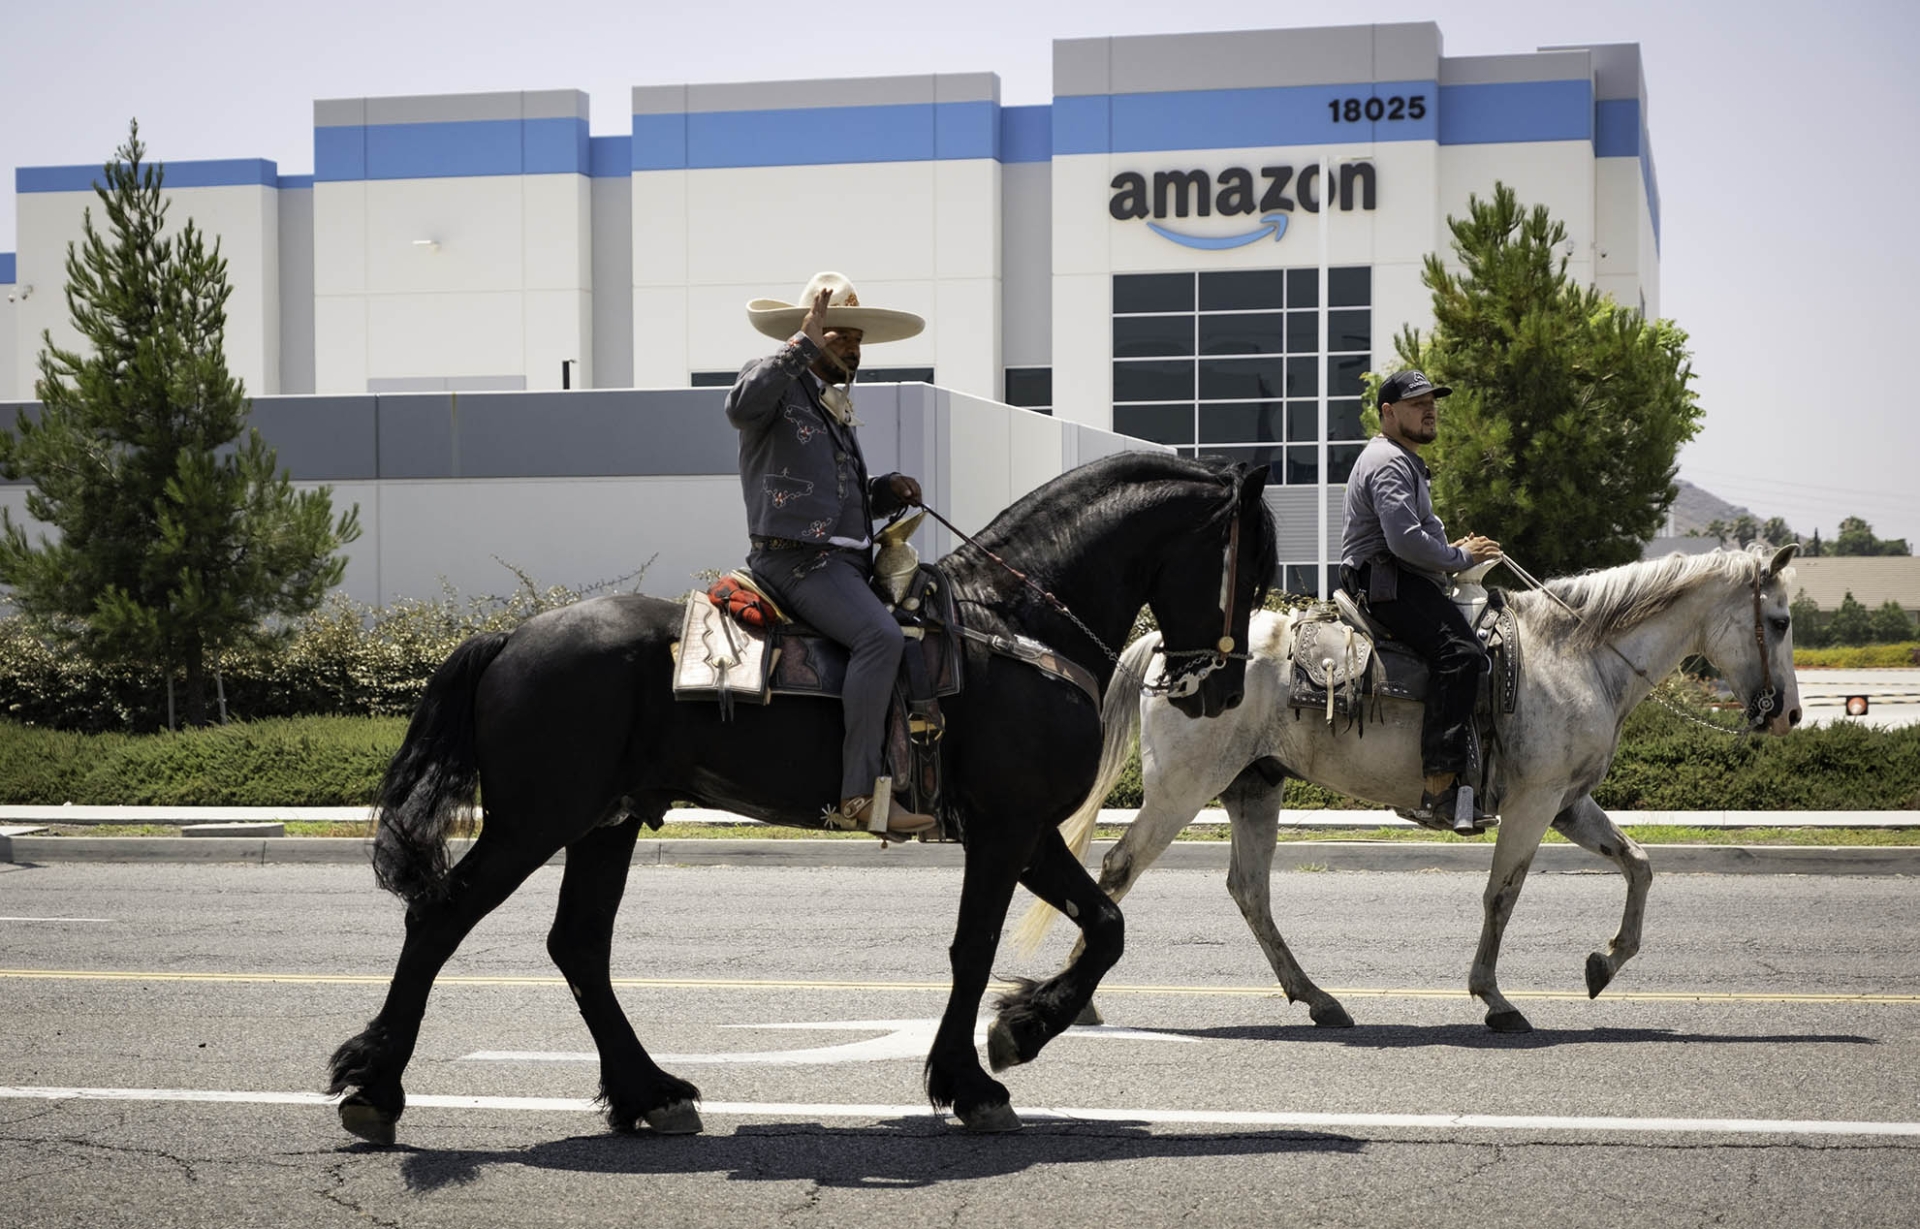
(902, 1153)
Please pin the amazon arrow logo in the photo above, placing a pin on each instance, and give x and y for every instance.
(1276, 225)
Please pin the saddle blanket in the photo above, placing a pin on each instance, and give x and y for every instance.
(1335, 660)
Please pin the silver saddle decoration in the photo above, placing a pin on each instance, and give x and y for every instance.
(719, 659)
(897, 560)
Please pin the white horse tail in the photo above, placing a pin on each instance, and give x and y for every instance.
(1120, 717)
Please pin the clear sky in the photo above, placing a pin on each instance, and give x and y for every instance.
(1786, 138)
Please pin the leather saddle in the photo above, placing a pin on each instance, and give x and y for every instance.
(1344, 660)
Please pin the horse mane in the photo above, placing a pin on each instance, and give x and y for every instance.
(1057, 503)
(1617, 600)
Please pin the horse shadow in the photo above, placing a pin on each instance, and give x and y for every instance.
(1480, 1037)
(898, 1154)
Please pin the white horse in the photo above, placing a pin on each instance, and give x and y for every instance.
(1586, 664)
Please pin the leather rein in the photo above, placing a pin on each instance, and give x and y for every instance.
(1185, 684)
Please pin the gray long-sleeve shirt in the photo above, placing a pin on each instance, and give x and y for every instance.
(1390, 513)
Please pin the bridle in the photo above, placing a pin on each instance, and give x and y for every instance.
(1760, 706)
(1184, 684)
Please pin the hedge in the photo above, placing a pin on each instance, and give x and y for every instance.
(1859, 657)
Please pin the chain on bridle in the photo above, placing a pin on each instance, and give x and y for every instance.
(1174, 686)
(1760, 706)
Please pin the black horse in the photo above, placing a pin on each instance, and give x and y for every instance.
(569, 727)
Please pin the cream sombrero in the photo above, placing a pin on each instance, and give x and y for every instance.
(877, 324)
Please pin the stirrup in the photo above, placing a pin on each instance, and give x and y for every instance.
(1454, 807)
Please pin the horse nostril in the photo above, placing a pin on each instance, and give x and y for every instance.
(1793, 717)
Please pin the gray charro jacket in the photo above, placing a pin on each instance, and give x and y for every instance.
(1390, 521)
(801, 471)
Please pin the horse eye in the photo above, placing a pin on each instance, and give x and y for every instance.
(1781, 623)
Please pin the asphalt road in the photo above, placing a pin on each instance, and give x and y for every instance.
(1764, 1011)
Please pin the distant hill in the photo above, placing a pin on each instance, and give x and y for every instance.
(1695, 507)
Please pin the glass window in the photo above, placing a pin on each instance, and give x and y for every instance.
(1030, 387)
(1303, 332)
(1163, 424)
(1248, 333)
(1340, 459)
(896, 375)
(1303, 421)
(1343, 422)
(1153, 292)
(1302, 578)
(1153, 380)
(1301, 378)
(1351, 287)
(1349, 330)
(1303, 465)
(1241, 290)
(713, 379)
(1240, 422)
(1150, 336)
(1303, 287)
(1343, 375)
(1241, 379)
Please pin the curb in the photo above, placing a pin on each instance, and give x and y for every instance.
(1395, 856)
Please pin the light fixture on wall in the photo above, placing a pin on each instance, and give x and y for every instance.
(432, 245)
(25, 292)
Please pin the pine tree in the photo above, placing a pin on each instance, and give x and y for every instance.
(1850, 625)
(1891, 624)
(1804, 613)
(179, 537)
(1568, 409)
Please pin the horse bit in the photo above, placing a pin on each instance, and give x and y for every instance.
(1186, 684)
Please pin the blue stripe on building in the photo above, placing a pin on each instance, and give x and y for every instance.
(294, 183)
(1026, 134)
(1616, 128)
(611, 157)
(210, 173)
(1516, 111)
(814, 136)
(452, 149)
(1232, 119)
(7, 273)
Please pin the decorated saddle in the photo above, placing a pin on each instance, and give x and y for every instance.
(1344, 662)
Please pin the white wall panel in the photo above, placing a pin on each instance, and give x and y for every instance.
(340, 343)
(477, 222)
(784, 224)
(1026, 264)
(1083, 348)
(1081, 223)
(660, 228)
(557, 228)
(1557, 174)
(965, 325)
(967, 218)
(446, 335)
(339, 240)
(660, 332)
(612, 258)
(16, 378)
(979, 440)
(1034, 451)
(559, 326)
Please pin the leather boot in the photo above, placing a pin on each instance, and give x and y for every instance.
(858, 810)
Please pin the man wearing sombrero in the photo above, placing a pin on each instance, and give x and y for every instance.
(811, 506)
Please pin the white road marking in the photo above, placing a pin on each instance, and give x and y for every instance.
(57, 919)
(1164, 1117)
(902, 1039)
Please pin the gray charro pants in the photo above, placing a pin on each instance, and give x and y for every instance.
(829, 591)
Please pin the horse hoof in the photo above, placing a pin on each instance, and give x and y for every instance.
(369, 1122)
(1599, 973)
(1002, 1050)
(1089, 1015)
(674, 1118)
(1330, 1015)
(991, 1119)
(1508, 1021)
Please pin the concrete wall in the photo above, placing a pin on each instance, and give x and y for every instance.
(585, 487)
(12, 382)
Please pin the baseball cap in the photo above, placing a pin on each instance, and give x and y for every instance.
(1409, 383)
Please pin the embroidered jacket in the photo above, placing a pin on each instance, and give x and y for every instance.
(801, 471)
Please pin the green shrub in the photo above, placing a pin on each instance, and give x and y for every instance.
(1860, 657)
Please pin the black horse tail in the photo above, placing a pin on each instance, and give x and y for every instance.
(430, 786)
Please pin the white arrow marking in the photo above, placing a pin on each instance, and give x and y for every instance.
(899, 1039)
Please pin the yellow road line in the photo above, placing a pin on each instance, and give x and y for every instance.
(731, 983)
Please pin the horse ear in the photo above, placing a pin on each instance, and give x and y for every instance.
(1781, 558)
(1256, 480)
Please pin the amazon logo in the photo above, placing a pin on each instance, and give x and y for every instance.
(1235, 192)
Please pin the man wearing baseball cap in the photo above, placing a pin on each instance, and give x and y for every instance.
(1395, 558)
(811, 504)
